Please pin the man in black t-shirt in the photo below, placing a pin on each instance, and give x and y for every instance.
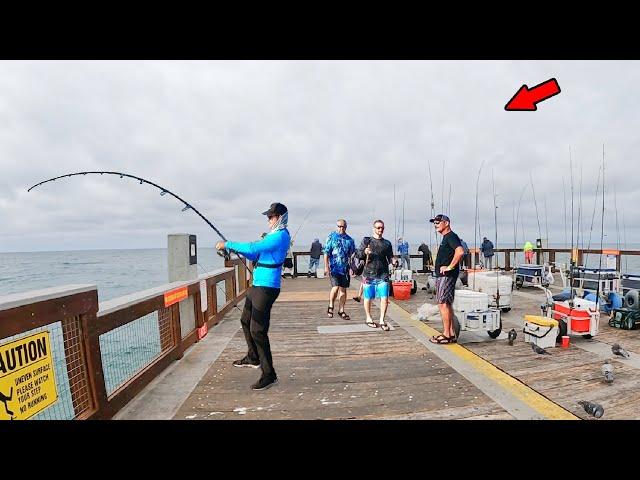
(446, 270)
(378, 255)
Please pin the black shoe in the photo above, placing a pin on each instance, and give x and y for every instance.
(265, 382)
(246, 362)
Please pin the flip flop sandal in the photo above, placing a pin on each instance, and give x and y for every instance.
(344, 315)
(372, 324)
(357, 299)
(385, 327)
(330, 312)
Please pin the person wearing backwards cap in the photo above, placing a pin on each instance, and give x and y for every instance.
(446, 270)
(268, 256)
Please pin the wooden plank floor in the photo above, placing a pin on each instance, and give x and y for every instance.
(390, 375)
(364, 375)
(566, 376)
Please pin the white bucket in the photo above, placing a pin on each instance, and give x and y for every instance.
(493, 282)
(468, 300)
(320, 272)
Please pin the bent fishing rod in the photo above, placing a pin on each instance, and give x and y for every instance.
(163, 191)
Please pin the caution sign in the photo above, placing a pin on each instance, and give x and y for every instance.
(175, 296)
(27, 381)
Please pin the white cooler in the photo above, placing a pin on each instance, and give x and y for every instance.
(542, 331)
(492, 282)
(469, 301)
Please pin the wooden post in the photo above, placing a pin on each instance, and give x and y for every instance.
(230, 287)
(94, 362)
(295, 264)
(507, 260)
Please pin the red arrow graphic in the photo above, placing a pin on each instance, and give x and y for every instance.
(526, 99)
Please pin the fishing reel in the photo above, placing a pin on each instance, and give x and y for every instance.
(224, 253)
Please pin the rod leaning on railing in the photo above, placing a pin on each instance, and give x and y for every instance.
(83, 335)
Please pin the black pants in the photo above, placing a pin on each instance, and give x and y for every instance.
(255, 325)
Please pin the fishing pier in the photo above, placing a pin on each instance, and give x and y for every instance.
(186, 334)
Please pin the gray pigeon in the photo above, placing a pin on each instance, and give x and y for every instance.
(593, 409)
(538, 350)
(607, 371)
(512, 336)
(618, 350)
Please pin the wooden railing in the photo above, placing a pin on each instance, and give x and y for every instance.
(73, 311)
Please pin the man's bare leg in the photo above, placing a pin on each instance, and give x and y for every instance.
(384, 304)
(342, 298)
(332, 296)
(367, 309)
(446, 312)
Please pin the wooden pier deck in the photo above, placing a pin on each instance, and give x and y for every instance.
(363, 373)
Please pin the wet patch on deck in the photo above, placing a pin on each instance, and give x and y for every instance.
(352, 329)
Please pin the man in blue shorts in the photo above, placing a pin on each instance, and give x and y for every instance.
(446, 270)
(378, 255)
(337, 251)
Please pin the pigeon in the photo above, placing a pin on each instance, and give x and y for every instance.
(607, 371)
(618, 350)
(538, 350)
(593, 409)
(512, 336)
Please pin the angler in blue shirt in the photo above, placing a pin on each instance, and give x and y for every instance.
(268, 256)
(403, 251)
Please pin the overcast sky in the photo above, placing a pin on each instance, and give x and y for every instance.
(231, 137)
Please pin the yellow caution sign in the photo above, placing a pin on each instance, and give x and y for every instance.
(27, 381)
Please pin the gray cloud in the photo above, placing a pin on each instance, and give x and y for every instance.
(333, 136)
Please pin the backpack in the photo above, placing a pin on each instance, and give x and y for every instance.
(356, 265)
(625, 318)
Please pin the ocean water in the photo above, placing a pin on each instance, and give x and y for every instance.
(115, 272)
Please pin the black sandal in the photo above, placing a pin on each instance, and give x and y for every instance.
(440, 339)
(344, 315)
(357, 299)
(372, 324)
(330, 312)
(385, 326)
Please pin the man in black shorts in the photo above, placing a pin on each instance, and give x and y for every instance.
(337, 252)
(446, 270)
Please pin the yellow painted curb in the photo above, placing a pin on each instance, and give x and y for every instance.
(538, 402)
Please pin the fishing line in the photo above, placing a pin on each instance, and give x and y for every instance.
(163, 191)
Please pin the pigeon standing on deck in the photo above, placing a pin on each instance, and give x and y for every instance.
(607, 371)
(593, 409)
(538, 350)
(618, 350)
(512, 336)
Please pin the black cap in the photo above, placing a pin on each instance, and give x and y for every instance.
(276, 209)
(440, 218)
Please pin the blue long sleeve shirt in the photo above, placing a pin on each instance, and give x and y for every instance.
(403, 248)
(272, 250)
